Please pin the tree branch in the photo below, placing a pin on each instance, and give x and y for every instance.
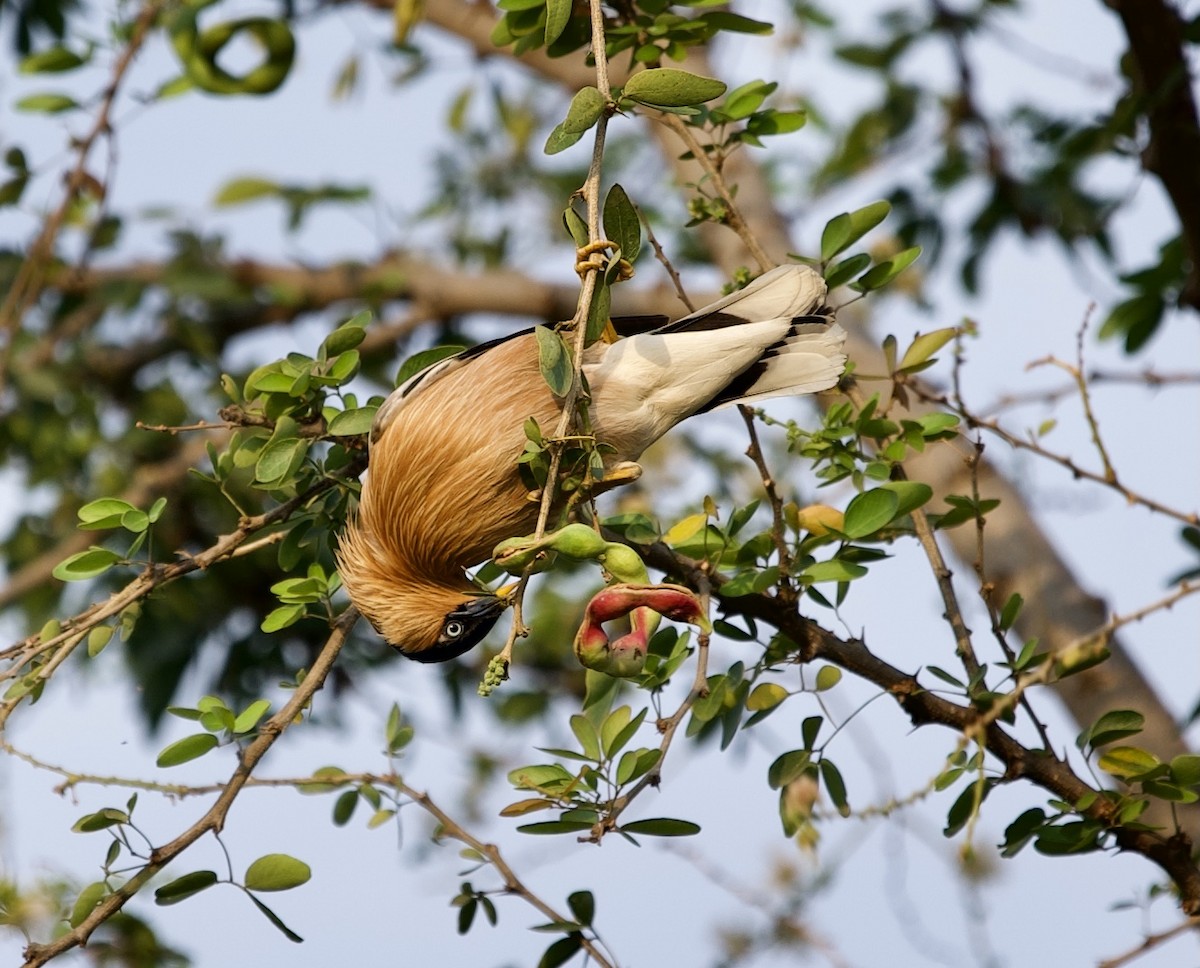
(1162, 81)
(214, 819)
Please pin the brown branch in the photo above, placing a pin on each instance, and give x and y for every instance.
(1107, 478)
(1044, 768)
(787, 591)
(214, 819)
(512, 883)
(149, 482)
(1149, 943)
(27, 285)
(1163, 83)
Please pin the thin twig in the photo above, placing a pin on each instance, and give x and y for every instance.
(28, 282)
(994, 427)
(733, 215)
(513, 884)
(214, 819)
(941, 571)
(787, 590)
(1149, 943)
(591, 196)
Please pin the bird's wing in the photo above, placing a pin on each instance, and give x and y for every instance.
(782, 293)
(419, 382)
(770, 339)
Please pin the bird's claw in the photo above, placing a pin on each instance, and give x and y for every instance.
(592, 258)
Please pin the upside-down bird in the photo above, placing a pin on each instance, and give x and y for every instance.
(444, 488)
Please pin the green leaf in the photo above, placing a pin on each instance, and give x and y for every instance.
(835, 786)
(636, 764)
(589, 739)
(188, 748)
(555, 827)
(85, 564)
(274, 919)
(828, 677)
(1012, 608)
(599, 312)
(276, 872)
(106, 512)
(351, 423)
(98, 638)
(833, 570)
(621, 224)
(1128, 762)
(248, 718)
(1136, 319)
(835, 237)
(100, 820)
(1185, 769)
(1112, 726)
(883, 273)
(558, 15)
(766, 695)
(554, 360)
(910, 494)
(184, 887)
(662, 827)
(347, 336)
(562, 951)
(968, 802)
(870, 511)
(282, 617)
(842, 231)
(583, 906)
(279, 460)
(53, 60)
(576, 227)
(787, 767)
(842, 272)
(46, 103)
(586, 108)
(924, 346)
(86, 902)
(343, 807)
(618, 729)
(240, 190)
(668, 87)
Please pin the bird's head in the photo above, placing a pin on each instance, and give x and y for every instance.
(427, 619)
(432, 623)
(460, 629)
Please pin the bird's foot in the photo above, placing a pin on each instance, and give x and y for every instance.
(592, 258)
(618, 475)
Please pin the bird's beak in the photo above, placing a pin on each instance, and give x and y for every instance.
(483, 607)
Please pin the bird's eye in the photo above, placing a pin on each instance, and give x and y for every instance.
(452, 630)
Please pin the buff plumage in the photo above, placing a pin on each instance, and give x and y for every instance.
(443, 486)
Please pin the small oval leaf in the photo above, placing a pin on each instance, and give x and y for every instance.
(276, 872)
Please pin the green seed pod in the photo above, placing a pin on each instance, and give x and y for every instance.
(624, 564)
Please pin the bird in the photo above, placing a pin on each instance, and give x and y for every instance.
(443, 487)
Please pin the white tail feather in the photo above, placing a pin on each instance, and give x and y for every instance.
(807, 363)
